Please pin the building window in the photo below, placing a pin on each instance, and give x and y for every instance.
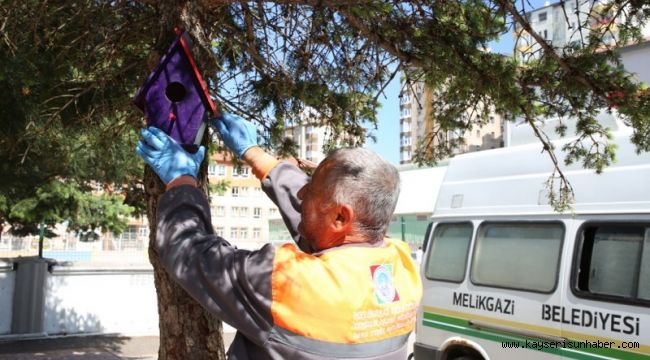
(614, 263)
(144, 231)
(478, 133)
(406, 155)
(242, 171)
(235, 191)
(273, 211)
(542, 16)
(243, 233)
(256, 233)
(257, 212)
(212, 169)
(221, 170)
(220, 211)
(233, 233)
(545, 34)
(243, 211)
(449, 246)
(522, 256)
(234, 211)
(491, 119)
(219, 231)
(129, 239)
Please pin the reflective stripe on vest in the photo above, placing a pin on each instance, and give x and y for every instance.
(347, 295)
(335, 350)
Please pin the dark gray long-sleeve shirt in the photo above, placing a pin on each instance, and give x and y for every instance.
(255, 291)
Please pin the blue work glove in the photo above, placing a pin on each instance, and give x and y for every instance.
(166, 157)
(238, 134)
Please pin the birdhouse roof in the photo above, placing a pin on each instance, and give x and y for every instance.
(181, 44)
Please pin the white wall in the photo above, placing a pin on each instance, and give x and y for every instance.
(7, 279)
(635, 60)
(90, 301)
(101, 302)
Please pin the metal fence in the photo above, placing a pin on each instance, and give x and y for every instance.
(129, 248)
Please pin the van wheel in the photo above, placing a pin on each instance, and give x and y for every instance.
(462, 353)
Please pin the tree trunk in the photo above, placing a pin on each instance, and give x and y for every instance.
(187, 331)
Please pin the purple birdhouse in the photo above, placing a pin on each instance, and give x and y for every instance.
(175, 98)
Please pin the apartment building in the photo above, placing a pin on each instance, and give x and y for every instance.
(309, 135)
(416, 121)
(567, 22)
(488, 136)
(240, 213)
(415, 114)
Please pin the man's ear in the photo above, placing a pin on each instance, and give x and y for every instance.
(344, 218)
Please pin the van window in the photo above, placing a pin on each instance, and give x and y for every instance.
(447, 258)
(522, 256)
(615, 262)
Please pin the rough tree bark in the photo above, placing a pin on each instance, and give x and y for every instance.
(187, 331)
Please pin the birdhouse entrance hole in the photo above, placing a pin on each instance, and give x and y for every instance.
(175, 92)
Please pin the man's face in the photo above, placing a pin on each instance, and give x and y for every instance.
(314, 209)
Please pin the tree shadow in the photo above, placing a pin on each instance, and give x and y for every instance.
(62, 320)
(98, 347)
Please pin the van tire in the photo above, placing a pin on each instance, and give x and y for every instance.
(462, 353)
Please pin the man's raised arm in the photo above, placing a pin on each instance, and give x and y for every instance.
(280, 180)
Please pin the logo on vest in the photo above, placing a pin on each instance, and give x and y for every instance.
(382, 277)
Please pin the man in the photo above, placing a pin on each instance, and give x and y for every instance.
(348, 292)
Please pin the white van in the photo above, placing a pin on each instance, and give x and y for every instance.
(506, 277)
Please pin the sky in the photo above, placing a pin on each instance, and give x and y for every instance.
(387, 132)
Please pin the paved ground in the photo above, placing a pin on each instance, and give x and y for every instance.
(104, 347)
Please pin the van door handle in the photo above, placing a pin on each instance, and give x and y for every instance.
(478, 325)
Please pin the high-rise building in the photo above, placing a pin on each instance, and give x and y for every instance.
(567, 22)
(416, 122)
(309, 135)
(414, 104)
(488, 136)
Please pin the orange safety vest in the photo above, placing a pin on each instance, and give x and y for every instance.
(347, 295)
